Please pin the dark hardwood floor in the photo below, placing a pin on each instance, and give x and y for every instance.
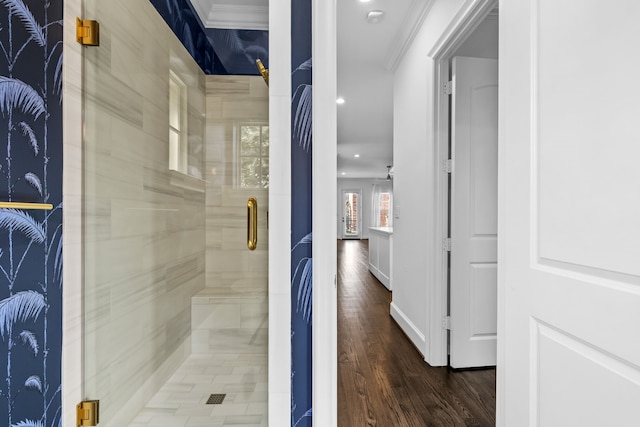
(382, 378)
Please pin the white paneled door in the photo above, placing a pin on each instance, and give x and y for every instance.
(474, 216)
(569, 214)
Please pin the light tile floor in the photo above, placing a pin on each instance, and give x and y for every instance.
(181, 402)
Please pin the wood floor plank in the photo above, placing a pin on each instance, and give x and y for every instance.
(383, 380)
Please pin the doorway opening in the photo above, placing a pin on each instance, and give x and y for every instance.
(351, 214)
(467, 74)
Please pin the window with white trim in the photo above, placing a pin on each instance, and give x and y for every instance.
(178, 149)
(253, 153)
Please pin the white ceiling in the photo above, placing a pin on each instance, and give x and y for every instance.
(366, 55)
(233, 14)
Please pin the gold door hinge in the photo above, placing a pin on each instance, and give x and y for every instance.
(87, 32)
(88, 413)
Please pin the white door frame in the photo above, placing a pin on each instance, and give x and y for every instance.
(324, 225)
(324, 199)
(280, 212)
(461, 27)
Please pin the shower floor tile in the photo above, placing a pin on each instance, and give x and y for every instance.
(181, 402)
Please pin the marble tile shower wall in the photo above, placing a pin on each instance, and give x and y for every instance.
(145, 225)
(231, 101)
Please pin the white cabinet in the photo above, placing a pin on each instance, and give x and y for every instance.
(380, 254)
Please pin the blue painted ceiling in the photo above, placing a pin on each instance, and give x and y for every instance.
(217, 51)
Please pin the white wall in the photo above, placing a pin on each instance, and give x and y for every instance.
(414, 239)
(280, 212)
(366, 188)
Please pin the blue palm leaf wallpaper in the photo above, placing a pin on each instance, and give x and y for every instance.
(30, 241)
(236, 51)
(183, 21)
(301, 237)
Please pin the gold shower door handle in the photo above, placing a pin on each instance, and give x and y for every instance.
(252, 223)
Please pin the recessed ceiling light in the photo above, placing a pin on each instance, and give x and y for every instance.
(344, 173)
(365, 1)
(356, 155)
(340, 101)
(375, 16)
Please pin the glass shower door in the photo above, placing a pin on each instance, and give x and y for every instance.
(167, 270)
(144, 233)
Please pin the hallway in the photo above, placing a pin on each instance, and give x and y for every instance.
(382, 379)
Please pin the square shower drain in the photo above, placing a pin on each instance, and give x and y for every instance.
(216, 399)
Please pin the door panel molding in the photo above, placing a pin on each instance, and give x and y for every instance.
(559, 361)
(568, 289)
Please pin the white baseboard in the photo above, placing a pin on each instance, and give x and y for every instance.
(138, 401)
(409, 328)
(384, 279)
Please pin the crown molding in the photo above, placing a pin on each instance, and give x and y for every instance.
(469, 16)
(239, 17)
(200, 9)
(235, 17)
(415, 17)
(242, 17)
